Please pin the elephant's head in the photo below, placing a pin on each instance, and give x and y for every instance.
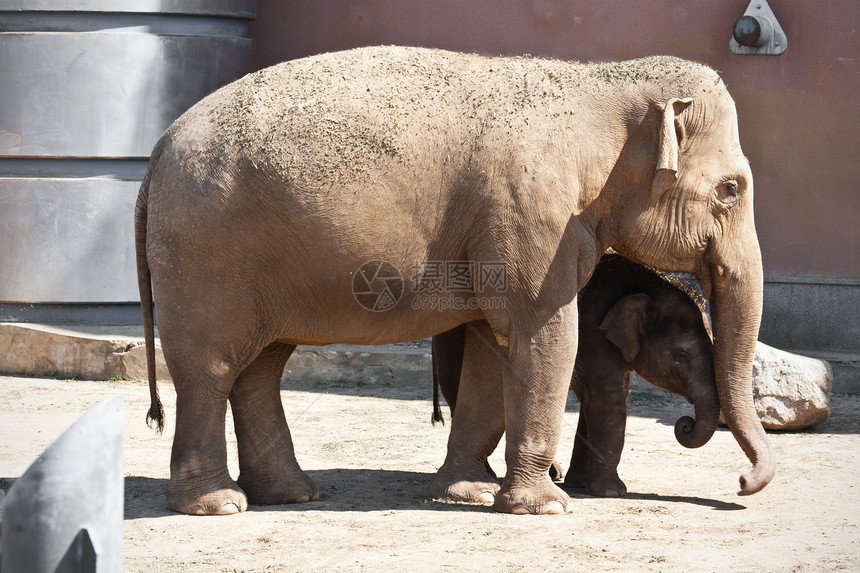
(664, 339)
(689, 207)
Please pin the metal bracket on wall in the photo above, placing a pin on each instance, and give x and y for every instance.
(758, 32)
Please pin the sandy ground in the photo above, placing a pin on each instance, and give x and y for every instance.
(373, 452)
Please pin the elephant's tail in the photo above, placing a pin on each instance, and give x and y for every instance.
(144, 283)
(437, 410)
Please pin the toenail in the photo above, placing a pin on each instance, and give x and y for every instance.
(229, 508)
(554, 508)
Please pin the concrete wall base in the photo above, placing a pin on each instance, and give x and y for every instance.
(56, 352)
(104, 352)
(821, 313)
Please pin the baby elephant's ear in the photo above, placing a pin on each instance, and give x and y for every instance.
(624, 324)
(671, 132)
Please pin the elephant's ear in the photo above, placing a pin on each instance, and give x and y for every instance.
(624, 324)
(671, 132)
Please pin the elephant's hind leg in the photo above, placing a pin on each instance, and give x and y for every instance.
(477, 424)
(268, 470)
(199, 481)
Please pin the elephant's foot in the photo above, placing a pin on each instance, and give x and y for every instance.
(474, 484)
(599, 486)
(543, 497)
(575, 479)
(290, 487)
(220, 496)
(465, 490)
(606, 486)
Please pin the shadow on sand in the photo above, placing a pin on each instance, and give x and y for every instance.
(362, 490)
(703, 502)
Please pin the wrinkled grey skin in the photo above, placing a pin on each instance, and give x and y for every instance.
(263, 201)
(630, 319)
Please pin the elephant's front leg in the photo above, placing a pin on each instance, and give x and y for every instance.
(536, 379)
(268, 470)
(478, 423)
(600, 433)
(576, 473)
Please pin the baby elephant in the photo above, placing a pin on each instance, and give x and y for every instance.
(630, 319)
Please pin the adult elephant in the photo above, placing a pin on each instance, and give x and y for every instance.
(286, 207)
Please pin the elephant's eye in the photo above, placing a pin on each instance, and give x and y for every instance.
(728, 192)
(680, 357)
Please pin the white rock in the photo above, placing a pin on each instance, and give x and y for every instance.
(791, 391)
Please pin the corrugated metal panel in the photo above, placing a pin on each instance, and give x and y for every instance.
(67, 240)
(104, 95)
(84, 98)
(231, 8)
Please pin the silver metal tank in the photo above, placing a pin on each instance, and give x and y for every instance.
(86, 89)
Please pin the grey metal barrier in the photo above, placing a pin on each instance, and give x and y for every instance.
(65, 513)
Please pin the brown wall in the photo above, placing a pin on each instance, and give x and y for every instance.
(799, 112)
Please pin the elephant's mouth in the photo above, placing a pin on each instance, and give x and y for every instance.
(705, 275)
(707, 285)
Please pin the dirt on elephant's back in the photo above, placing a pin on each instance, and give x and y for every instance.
(329, 118)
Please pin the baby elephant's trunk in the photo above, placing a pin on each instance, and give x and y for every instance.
(696, 433)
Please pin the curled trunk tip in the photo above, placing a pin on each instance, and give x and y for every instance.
(693, 434)
(683, 428)
(760, 476)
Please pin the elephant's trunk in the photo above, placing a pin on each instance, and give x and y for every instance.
(695, 433)
(736, 315)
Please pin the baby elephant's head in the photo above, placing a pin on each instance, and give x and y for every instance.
(665, 340)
